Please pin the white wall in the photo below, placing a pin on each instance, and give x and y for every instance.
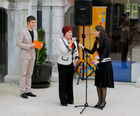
(52, 21)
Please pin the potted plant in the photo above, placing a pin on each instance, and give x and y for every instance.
(42, 69)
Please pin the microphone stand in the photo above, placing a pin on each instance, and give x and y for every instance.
(86, 102)
(82, 62)
(81, 68)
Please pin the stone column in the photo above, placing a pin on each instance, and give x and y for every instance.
(46, 20)
(34, 9)
(68, 4)
(30, 8)
(4, 4)
(17, 14)
(47, 25)
(58, 10)
(52, 22)
(57, 24)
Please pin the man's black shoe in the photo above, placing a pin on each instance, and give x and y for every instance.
(65, 104)
(23, 95)
(30, 94)
(70, 102)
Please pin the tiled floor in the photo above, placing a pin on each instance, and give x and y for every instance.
(123, 100)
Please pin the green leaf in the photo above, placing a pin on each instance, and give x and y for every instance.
(41, 55)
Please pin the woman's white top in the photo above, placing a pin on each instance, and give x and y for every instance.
(66, 56)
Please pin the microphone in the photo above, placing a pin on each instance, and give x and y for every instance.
(75, 39)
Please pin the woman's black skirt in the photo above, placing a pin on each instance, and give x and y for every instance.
(104, 75)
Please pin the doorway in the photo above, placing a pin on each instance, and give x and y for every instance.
(3, 43)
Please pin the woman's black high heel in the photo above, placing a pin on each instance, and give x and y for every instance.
(97, 105)
(101, 107)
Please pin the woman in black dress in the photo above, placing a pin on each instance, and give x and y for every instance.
(103, 75)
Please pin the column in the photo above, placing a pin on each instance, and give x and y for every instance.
(53, 21)
(17, 14)
(57, 24)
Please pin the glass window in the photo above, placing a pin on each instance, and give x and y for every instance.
(132, 10)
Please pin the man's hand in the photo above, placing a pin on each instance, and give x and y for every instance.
(41, 46)
(32, 45)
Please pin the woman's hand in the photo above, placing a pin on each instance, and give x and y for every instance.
(71, 42)
(74, 39)
(75, 62)
(81, 46)
(95, 62)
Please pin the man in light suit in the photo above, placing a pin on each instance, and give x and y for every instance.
(27, 56)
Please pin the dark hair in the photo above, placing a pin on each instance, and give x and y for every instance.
(102, 34)
(30, 18)
(66, 28)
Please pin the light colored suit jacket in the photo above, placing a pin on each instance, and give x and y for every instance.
(23, 42)
(65, 54)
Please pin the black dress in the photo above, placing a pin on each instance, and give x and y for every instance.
(103, 75)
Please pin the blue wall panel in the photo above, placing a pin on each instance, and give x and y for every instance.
(122, 71)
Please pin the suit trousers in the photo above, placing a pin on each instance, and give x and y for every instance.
(26, 71)
(66, 73)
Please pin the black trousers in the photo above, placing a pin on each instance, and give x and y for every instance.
(66, 73)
